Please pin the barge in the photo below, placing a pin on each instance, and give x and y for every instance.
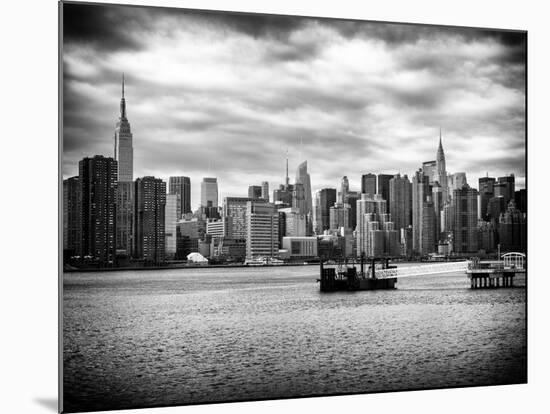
(344, 275)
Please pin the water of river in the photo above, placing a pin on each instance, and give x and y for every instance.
(169, 337)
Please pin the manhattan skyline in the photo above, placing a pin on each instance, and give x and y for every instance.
(226, 95)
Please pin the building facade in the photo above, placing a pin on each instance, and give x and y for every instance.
(98, 177)
(181, 185)
(262, 230)
(400, 201)
(368, 184)
(209, 192)
(71, 216)
(149, 220)
(465, 237)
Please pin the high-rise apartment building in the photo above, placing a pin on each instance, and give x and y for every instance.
(181, 185)
(423, 215)
(171, 217)
(465, 237)
(149, 220)
(98, 183)
(339, 216)
(71, 215)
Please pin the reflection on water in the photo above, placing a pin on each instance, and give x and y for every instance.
(153, 338)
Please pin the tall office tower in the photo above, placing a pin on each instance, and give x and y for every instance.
(302, 177)
(283, 195)
(149, 219)
(465, 236)
(343, 190)
(255, 192)
(124, 154)
(521, 200)
(299, 201)
(327, 198)
(512, 229)
(441, 170)
(209, 192)
(495, 207)
(71, 216)
(98, 183)
(447, 217)
(262, 230)
(420, 194)
(400, 201)
(428, 240)
(265, 191)
(181, 185)
(456, 181)
(234, 215)
(505, 187)
(368, 184)
(317, 217)
(438, 201)
(351, 200)
(170, 219)
(295, 223)
(486, 192)
(124, 151)
(406, 242)
(339, 216)
(384, 188)
(486, 232)
(429, 169)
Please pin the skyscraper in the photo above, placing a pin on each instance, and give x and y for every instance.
(423, 225)
(71, 215)
(465, 237)
(149, 219)
(351, 200)
(302, 177)
(512, 229)
(368, 184)
(265, 190)
(400, 201)
(429, 169)
(182, 186)
(486, 192)
(255, 192)
(171, 216)
(124, 151)
(344, 190)
(262, 230)
(124, 154)
(209, 192)
(327, 198)
(234, 215)
(375, 232)
(384, 188)
(339, 216)
(505, 187)
(98, 184)
(441, 170)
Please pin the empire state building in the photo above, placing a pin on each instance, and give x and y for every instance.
(124, 154)
(124, 151)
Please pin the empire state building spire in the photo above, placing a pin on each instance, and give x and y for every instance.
(124, 150)
(122, 102)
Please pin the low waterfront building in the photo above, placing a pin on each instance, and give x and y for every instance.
(300, 247)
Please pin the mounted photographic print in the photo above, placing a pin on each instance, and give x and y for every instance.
(264, 206)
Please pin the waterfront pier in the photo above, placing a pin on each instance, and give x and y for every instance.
(496, 273)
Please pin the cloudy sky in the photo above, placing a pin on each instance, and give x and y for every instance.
(226, 95)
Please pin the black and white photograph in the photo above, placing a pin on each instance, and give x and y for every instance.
(263, 206)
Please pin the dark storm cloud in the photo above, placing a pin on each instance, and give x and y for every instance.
(229, 94)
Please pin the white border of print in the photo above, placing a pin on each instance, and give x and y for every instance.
(29, 204)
